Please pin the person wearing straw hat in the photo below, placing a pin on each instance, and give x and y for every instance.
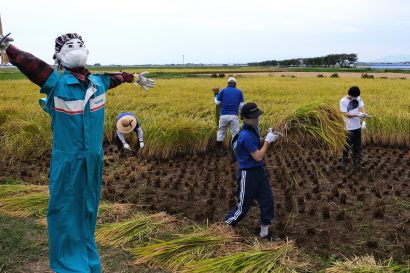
(76, 103)
(252, 180)
(127, 123)
(230, 100)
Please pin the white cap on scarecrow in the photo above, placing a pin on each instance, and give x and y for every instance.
(126, 122)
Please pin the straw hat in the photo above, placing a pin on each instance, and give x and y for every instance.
(126, 122)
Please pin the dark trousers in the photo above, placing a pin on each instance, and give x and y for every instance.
(252, 184)
(354, 141)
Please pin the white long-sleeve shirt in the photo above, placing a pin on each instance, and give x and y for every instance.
(139, 132)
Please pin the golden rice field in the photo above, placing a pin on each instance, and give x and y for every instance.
(178, 115)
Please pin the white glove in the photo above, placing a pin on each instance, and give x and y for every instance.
(363, 124)
(142, 145)
(4, 44)
(362, 115)
(126, 146)
(271, 137)
(143, 81)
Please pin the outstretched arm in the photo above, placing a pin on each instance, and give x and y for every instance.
(35, 69)
(123, 77)
(120, 78)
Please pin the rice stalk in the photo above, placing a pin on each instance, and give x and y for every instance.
(185, 248)
(319, 123)
(365, 264)
(10, 190)
(113, 212)
(32, 204)
(137, 229)
(259, 259)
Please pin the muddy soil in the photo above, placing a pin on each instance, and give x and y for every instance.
(324, 207)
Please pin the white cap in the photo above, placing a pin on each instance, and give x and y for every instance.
(231, 79)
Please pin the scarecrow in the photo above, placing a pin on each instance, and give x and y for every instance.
(76, 103)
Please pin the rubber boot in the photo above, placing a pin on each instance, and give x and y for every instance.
(219, 147)
(345, 161)
(356, 162)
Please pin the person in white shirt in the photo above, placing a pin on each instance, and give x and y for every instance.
(352, 107)
(127, 123)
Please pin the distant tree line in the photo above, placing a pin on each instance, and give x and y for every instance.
(343, 60)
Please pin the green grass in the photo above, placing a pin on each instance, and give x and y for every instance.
(24, 248)
(10, 181)
(11, 74)
(22, 241)
(402, 204)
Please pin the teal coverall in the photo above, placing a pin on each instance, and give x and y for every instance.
(77, 115)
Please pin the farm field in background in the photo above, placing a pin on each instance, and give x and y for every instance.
(330, 213)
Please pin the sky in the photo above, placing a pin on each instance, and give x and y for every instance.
(213, 31)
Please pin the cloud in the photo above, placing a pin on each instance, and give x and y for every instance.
(160, 31)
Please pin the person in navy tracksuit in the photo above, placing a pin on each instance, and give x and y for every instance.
(252, 180)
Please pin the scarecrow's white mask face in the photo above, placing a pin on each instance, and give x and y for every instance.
(73, 54)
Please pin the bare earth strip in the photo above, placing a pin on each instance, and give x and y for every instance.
(325, 74)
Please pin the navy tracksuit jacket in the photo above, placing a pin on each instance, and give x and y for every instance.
(252, 180)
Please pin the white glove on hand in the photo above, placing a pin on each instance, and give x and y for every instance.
(126, 146)
(143, 81)
(362, 115)
(142, 145)
(4, 44)
(271, 137)
(363, 124)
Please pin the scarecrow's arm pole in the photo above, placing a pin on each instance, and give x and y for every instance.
(35, 69)
(120, 78)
